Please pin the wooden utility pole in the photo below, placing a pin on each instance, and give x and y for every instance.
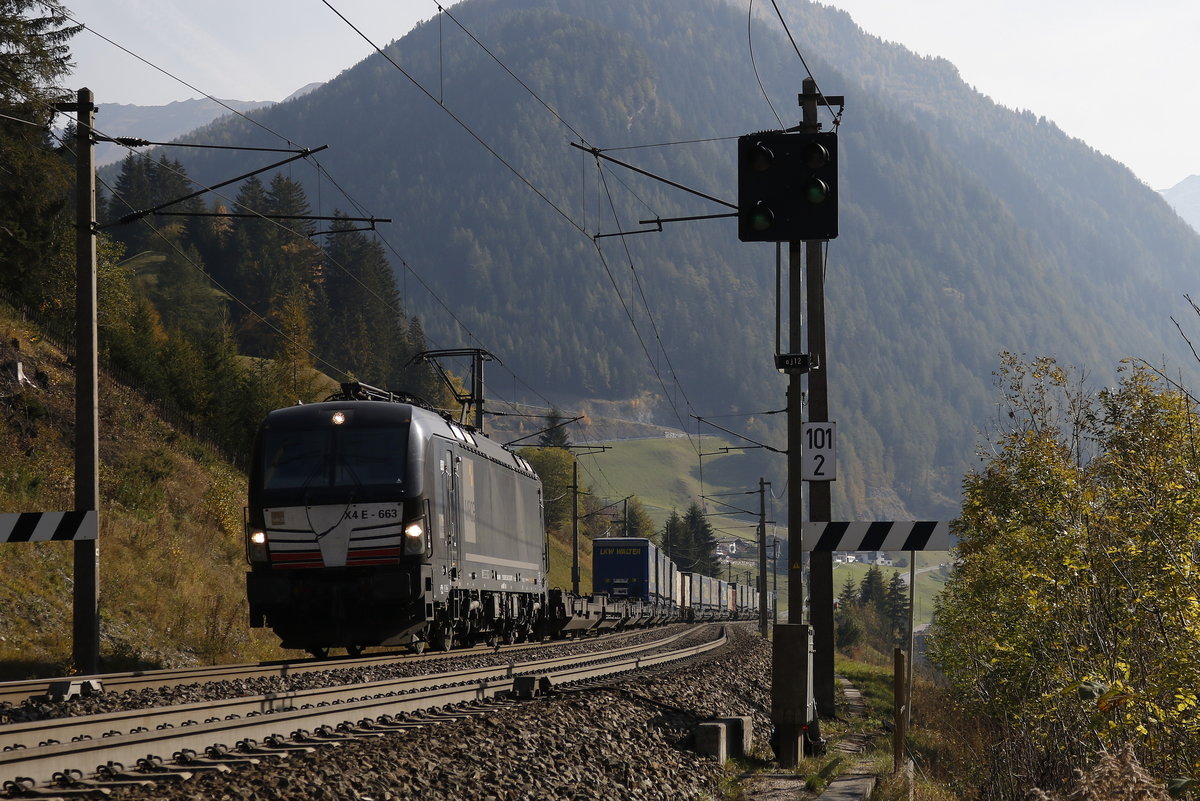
(86, 622)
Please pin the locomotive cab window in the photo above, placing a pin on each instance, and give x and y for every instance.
(334, 458)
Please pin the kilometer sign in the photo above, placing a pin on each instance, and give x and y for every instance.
(818, 452)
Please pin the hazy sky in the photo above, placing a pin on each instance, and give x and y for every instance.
(1114, 73)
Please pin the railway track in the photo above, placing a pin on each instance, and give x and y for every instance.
(59, 688)
(92, 752)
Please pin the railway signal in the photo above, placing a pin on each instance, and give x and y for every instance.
(787, 187)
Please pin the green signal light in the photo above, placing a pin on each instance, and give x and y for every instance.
(761, 217)
(816, 191)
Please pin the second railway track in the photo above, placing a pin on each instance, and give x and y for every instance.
(66, 750)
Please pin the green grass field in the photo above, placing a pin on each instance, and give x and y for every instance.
(664, 474)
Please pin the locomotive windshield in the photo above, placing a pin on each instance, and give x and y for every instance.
(334, 457)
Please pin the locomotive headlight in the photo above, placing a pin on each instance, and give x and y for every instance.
(415, 541)
(338, 418)
(256, 546)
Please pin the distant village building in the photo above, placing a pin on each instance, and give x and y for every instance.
(729, 547)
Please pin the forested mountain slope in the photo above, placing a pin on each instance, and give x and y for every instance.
(966, 228)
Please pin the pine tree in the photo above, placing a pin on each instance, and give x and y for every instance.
(555, 435)
(895, 606)
(362, 328)
(35, 175)
(871, 591)
(848, 597)
(699, 554)
(674, 536)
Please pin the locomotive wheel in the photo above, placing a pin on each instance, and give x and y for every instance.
(443, 639)
(418, 646)
(354, 650)
(318, 653)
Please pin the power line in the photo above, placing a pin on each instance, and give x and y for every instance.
(838, 115)
(649, 314)
(514, 76)
(528, 183)
(754, 65)
(174, 77)
(408, 267)
(520, 176)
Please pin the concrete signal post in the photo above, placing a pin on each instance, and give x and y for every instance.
(788, 192)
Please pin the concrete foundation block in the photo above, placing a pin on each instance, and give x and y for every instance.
(739, 734)
(712, 740)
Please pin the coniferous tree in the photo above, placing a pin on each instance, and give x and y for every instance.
(290, 375)
(555, 435)
(35, 174)
(699, 553)
(421, 379)
(247, 263)
(894, 607)
(872, 590)
(362, 327)
(848, 596)
(553, 466)
(231, 413)
(674, 536)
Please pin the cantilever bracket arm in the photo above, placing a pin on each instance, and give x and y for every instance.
(137, 215)
(595, 151)
(736, 434)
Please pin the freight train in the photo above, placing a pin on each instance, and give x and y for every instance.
(373, 520)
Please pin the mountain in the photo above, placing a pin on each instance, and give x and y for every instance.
(967, 228)
(1184, 197)
(162, 123)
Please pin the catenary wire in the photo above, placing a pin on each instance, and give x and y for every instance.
(407, 266)
(754, 64)
(241, 302)
(152, 65)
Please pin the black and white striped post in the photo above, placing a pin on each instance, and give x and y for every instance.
(48, 526)
(910, 535)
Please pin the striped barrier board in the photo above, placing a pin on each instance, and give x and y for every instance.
(47, 526)
(907, 535)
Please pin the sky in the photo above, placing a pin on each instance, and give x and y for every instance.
(1117, 74)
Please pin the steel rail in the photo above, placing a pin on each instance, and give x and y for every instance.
(361, 705)
(26, 735)
(15, 692)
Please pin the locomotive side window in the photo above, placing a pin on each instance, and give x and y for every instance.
(469, 507)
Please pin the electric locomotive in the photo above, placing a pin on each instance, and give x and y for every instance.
(375, 521)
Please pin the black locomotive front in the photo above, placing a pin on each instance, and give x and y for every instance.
(337, 526)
